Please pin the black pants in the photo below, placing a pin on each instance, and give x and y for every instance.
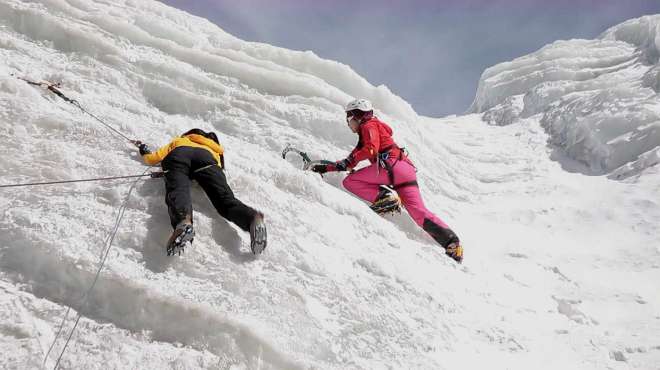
(185, 164)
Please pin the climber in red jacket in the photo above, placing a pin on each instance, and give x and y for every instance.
(389, 166)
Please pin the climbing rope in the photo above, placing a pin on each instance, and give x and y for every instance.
(153, 175)
(104, 257)
(54, 88)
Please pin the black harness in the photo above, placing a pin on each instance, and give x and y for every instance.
(381, 159)
(383, 156)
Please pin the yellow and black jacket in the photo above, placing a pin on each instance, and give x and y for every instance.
(192, 140)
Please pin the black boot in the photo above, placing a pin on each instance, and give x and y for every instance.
(258, 234)
(446, 238)
(455, 251)
(181, 236)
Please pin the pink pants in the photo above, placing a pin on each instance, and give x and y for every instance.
(365, 184)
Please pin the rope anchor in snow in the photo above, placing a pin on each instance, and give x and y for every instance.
(54, 87)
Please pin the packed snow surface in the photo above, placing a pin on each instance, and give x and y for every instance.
(561, 267)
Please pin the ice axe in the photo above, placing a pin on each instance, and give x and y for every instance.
(308, 163)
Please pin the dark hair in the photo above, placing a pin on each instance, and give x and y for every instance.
(197, 131)
(213, 136)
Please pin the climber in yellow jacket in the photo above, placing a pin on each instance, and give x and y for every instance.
(189, 140)
(197, 155)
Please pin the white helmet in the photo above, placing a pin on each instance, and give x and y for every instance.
(363, 105)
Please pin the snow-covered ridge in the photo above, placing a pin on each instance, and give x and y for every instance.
(598, 98)
(89, 28)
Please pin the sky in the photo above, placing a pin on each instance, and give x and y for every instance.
(431, 53)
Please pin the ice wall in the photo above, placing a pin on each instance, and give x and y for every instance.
(597, 98)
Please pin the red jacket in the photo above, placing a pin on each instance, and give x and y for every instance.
(375, 137)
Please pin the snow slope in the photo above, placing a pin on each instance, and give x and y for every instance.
(560, 271)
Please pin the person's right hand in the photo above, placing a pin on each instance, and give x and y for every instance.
(320, 168)
(144, 149)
